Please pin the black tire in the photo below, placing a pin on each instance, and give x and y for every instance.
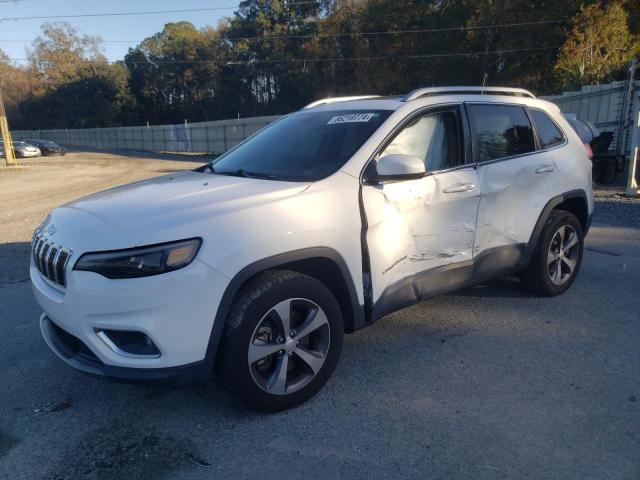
(539, 276)
(254, 303)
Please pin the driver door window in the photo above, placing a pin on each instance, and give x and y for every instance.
(432, 137)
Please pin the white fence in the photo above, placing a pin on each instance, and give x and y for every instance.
(211, 137)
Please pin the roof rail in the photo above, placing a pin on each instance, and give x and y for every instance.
(426, 92)
(326, 101)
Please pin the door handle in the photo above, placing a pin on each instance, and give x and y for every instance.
(459, 188)
(546, 169)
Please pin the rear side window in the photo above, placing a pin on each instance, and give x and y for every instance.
(501, 131)
(548, 134)
(432, 137)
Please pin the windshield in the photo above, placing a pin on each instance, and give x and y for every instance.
(306, 146)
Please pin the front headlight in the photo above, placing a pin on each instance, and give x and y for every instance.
(141, 262)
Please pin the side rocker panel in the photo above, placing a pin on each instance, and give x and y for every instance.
(411, 290)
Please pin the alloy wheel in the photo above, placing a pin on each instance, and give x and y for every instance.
(562, 257)
(289, 346)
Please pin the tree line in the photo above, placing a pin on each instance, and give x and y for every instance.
(273, 56)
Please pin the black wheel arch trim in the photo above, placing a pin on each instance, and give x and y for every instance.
(544, 215)
(356, 309)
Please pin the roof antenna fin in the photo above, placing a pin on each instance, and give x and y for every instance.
(484, 81)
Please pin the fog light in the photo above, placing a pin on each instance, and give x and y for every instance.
(128, 343)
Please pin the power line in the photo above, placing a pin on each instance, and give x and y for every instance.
(362, 34)
(145, 12)
(295, 60)
(461, 28)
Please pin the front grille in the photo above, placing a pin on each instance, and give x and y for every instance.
(50, 259)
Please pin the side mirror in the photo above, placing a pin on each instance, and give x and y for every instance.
(398, 166)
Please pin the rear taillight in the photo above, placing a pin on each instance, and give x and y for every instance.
(587, 147)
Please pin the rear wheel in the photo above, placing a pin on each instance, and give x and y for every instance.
(282, 340)
(557, 257)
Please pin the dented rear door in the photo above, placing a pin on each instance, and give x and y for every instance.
(516, 179)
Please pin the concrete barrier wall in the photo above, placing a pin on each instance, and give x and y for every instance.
(207, 137)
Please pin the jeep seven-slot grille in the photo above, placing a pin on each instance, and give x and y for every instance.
(50, 259)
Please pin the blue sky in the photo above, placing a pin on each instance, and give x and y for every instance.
(137, 27)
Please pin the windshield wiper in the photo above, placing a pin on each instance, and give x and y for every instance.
(242, 173)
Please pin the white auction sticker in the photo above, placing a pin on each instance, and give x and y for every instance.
(352, 118)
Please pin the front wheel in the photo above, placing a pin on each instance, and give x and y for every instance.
(281, 342)
(557, 257)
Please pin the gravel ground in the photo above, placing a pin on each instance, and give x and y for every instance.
(486, 383)
(616, 209)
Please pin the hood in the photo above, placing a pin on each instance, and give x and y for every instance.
(186, 201)
(184, 192)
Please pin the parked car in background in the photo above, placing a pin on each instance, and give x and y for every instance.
(24, 149)
(256, 264)
(47, 147)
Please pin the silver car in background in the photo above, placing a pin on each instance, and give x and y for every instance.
(24, 149)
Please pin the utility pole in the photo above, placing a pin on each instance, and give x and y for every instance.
(633, 189)
(7, 143)
(634, 136)
(6, 136)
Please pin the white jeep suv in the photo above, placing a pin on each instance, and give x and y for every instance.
(255, 265)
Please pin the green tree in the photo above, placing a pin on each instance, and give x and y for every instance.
(273, 56)
(72, 84)
(599, 46)
(272, 76)
(174, 73)
(16, 85)
(58, 55)
(98, 97)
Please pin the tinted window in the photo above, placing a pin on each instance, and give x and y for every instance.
(306, 146)
(548, 134)
(432, 137)
(502, 131)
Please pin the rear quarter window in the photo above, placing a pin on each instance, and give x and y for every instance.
(501, 131)
(549, 135)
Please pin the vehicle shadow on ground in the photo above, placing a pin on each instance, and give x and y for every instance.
(504, 287)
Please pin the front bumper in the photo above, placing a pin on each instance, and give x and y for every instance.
(175, 311)
(76, 354)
